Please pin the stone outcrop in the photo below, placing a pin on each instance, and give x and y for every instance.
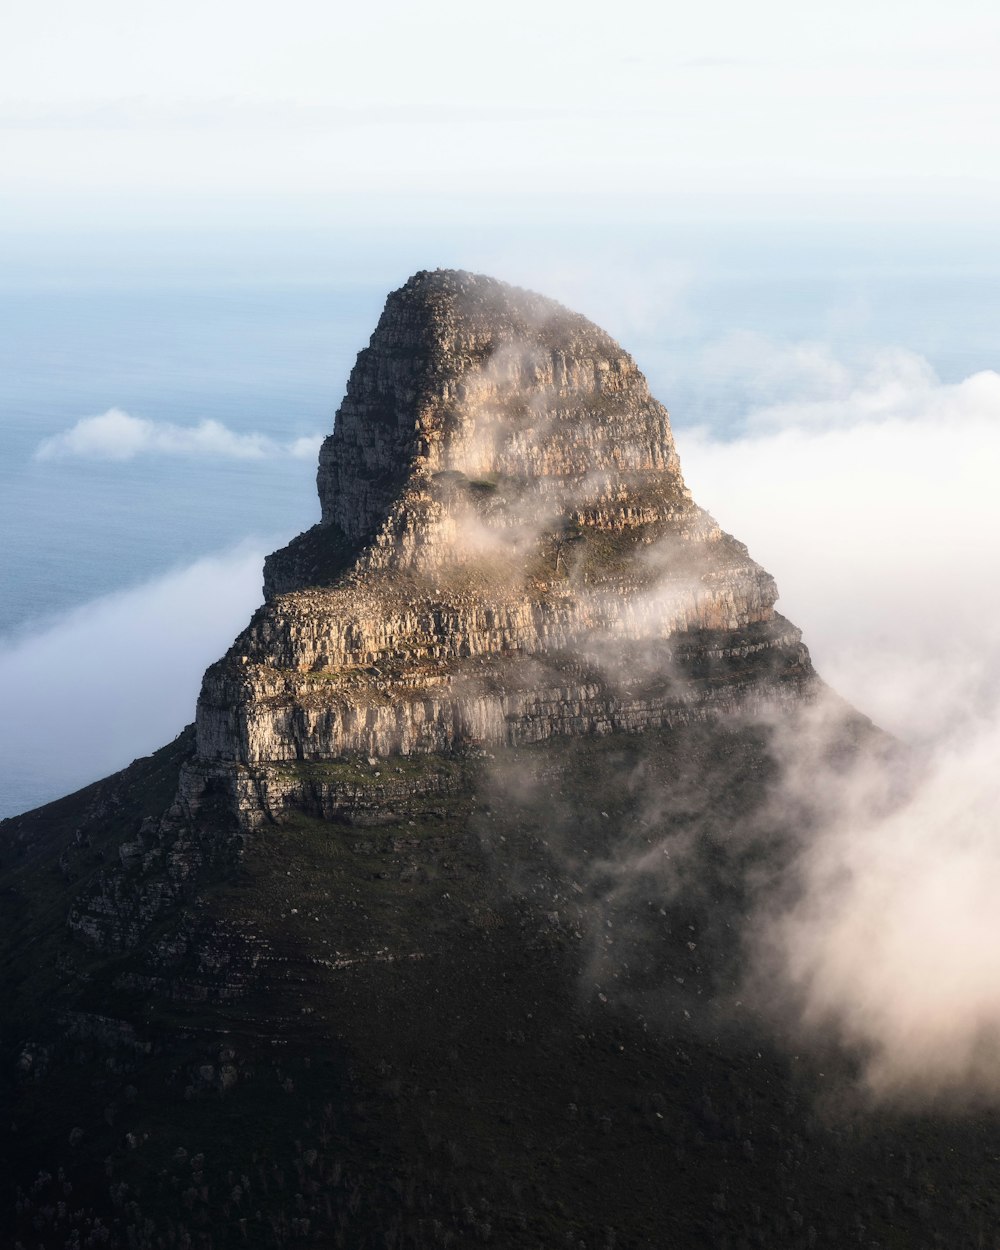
(507, 551)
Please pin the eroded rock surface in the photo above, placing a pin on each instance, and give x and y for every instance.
(507, 552)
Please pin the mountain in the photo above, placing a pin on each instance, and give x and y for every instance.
(433, 929)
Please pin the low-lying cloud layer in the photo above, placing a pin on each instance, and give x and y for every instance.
(117, 678)
(872, 498)
(117, 435)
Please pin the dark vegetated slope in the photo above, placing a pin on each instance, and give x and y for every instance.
(464, 1025)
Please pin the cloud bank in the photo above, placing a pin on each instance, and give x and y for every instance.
(117, 435)
(870, 492)
(117, 678)
(875, 507)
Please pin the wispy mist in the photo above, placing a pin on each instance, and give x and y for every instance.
(873, 501)
(892, 945)
(870, 920)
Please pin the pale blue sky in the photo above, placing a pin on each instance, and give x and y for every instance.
(115, 108)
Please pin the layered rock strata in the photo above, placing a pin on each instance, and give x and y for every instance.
(507, 551)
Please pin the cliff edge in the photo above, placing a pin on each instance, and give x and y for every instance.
(507, 552)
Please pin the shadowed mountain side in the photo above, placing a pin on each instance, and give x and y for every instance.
(445, 1014)
(441, 926)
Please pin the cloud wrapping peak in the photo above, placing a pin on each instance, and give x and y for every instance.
(117, 435)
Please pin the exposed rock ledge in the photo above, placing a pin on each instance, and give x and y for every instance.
(507, 552)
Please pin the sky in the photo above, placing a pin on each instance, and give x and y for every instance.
(557, 145)
(193, 112)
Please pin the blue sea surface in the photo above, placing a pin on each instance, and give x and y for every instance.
(272, 357)
(271, 362)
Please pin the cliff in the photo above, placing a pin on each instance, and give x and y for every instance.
(507, 552)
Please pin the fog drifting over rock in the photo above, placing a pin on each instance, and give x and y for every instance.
(875, 508)
(869, 492)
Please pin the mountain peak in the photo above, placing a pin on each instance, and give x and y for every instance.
(445, 297)
(507, 553)
(468, 379)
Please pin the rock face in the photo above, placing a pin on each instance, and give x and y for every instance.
(507, 552)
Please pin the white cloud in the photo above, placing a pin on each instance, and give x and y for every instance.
(116, 435)
(805, 385)
(894, 943)
(118, 677)
(869, 490)
(876, 509)
(894, 386)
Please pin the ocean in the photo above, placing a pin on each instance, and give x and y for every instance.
(158, 533)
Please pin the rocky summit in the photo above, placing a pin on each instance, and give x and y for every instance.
(507, 553)
(438, 927)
